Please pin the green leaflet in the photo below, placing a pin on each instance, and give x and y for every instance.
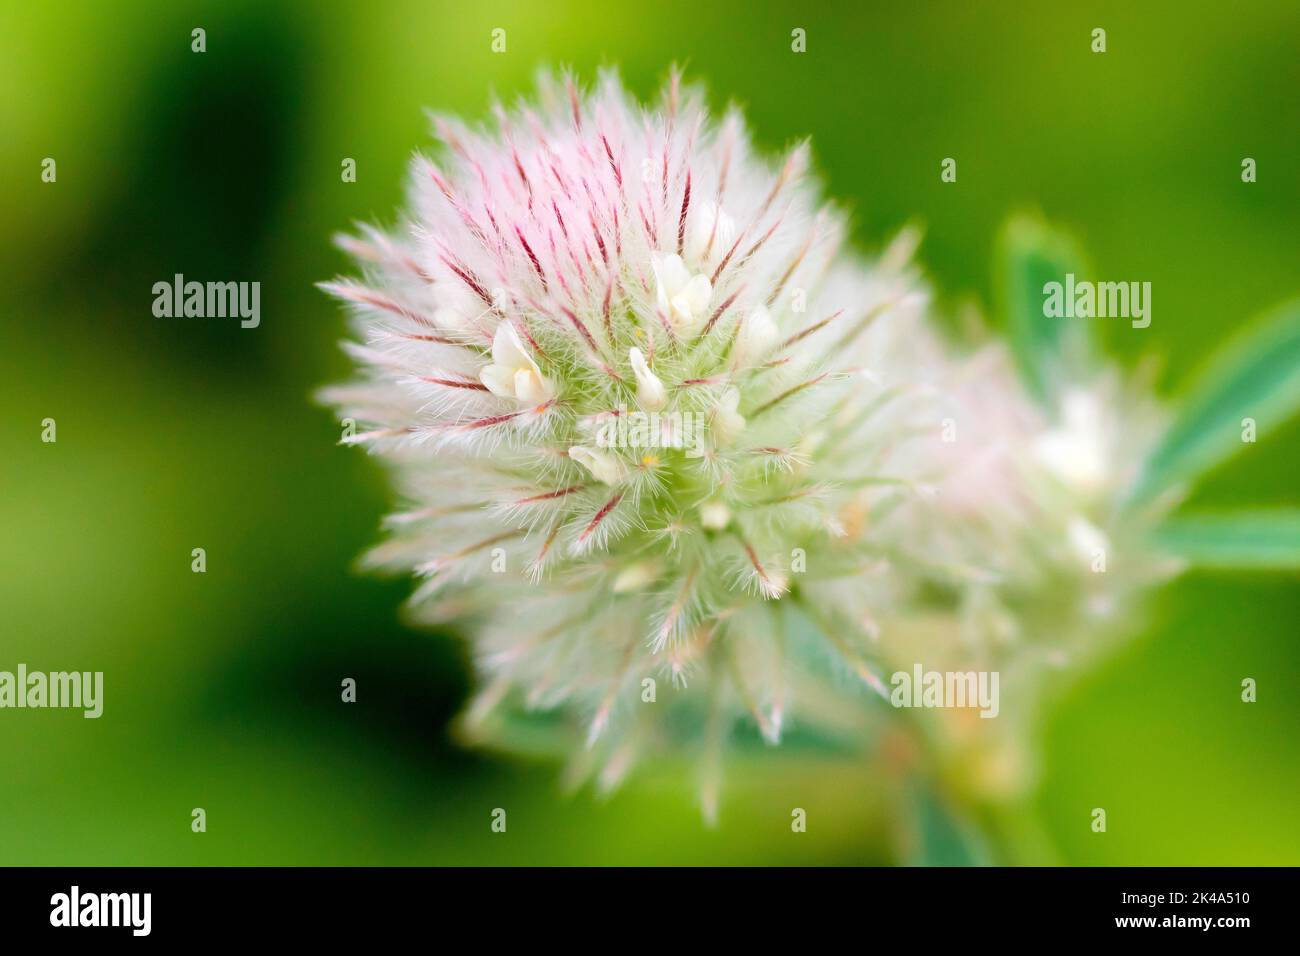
(1244, 539)
(1256, 377)
(1049, 351)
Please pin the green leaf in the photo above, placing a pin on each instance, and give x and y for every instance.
(1249, 539)
(1049, 351)
(1257, 377)
(942, 838)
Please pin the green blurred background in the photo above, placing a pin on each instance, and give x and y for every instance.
(222, 689)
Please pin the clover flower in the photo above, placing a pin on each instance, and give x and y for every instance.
(683, 466)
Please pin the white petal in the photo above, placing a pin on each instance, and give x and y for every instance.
(698, 292)
(602, 465)
(710, 223)
(450, 319)
(671, 277)
(758, 334)
(455, 307)
(650, 392)
(671, 273)
(680, 314)
(635, 576)
(528, 387)
(728, 424)
(499, 381)
(1075, 457)
(507, 350)
(715, 515)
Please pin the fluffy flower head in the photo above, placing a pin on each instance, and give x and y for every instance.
(649, 412)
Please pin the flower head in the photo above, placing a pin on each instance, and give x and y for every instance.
(579, 288)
